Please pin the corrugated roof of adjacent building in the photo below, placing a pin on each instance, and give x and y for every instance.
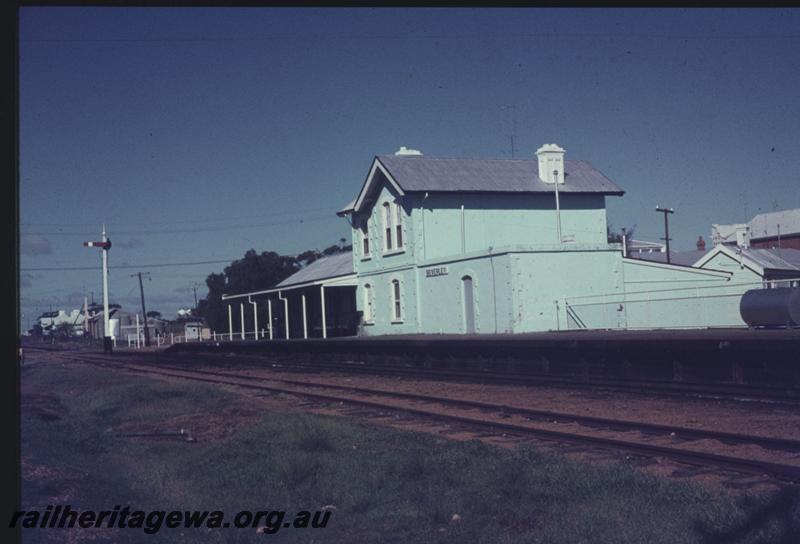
(451, 174)
(683, 258)
(765, 225)
(333, 266)
(775, 259)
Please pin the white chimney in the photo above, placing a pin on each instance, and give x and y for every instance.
(405, 151)
(551, 163)
(743, 235)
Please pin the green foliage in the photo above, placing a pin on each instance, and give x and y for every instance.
(254, 272)
(385, 485)
(64, 331)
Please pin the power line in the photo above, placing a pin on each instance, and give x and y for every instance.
(308, 37)
(200, 229)
(123, 266)
(203, 221)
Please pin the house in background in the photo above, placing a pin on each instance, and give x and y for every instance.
(770, 267)
(642, 246)
(49, 321)
(780, 229)
(195, 329)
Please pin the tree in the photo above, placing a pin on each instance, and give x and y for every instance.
(616, 236)
(63, 331)
(154, 314)
(253, 272)
(308, 257)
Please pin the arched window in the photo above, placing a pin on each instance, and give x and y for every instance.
(397, 307)
(368, 298)
(398, 225)
(387, 226)
(365, 237)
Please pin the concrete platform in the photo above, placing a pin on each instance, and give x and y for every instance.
(764, 357)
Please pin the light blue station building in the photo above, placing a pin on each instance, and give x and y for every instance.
(485, 246)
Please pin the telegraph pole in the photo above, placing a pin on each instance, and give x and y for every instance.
(144, 311)
(104, 245)
(666, 212)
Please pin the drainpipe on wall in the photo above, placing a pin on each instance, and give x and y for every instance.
(422, 217)
(463, 239)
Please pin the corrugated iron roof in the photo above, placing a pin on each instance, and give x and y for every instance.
(775, 259)
(683, 258)
(451, 174)
(333, 266)
(766, 225)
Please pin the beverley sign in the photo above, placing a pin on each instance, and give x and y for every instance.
(436, 271)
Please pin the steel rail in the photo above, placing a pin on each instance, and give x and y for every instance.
(776, 443)
(782, 472)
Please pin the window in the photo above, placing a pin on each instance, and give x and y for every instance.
(397, 310)
(387, 225)
(365, 238)
(368, 312)
(399, 225)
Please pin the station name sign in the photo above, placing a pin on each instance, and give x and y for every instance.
(436, 271)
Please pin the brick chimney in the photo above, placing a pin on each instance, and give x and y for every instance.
(701, 244)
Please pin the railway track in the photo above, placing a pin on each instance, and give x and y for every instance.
(584, 431)
(502, 376)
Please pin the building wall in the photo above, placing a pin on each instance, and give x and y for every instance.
(657, 295)
(787, 242)
(502, 220)
(383, 319)
(523, 279)
(379, 259)
(542, 280)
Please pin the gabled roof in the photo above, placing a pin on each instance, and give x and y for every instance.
(762, 261)
(421, 173)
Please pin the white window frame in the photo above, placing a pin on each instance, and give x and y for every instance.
(364, 230)
(396, 298)
(399, 238)
(387, 234)
(369, 308)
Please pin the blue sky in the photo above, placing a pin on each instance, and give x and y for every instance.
(196, 134)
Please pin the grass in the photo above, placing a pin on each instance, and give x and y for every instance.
(386, 486)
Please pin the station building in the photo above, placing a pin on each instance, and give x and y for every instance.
(476, 246)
